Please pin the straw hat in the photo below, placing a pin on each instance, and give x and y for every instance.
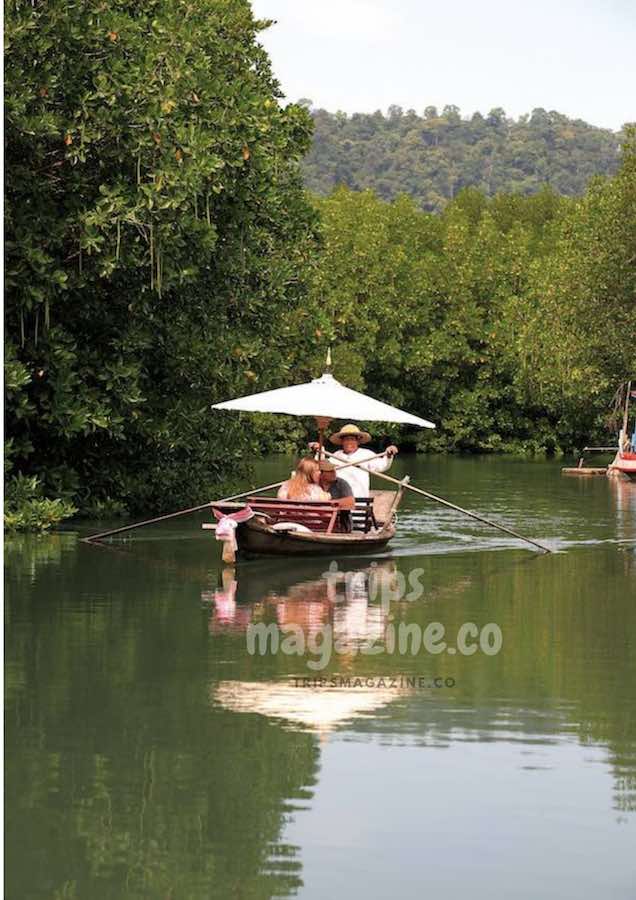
(350, 431)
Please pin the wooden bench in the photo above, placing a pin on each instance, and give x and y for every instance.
(362, 515)
(316, 511)
(317, 515)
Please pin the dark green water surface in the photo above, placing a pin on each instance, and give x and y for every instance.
(149, 754)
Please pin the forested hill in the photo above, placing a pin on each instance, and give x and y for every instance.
(431, 157)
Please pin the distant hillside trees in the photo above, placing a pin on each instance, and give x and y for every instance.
(433, 156)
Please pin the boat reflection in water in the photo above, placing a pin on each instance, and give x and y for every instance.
(624, 493)
(354, 603)
(356, 609)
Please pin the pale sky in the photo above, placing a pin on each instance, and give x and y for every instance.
(576, 57)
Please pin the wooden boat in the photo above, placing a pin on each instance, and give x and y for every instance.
(289, 528)
(272, 527)
(624, 463)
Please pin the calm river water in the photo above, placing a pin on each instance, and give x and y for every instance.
(149, 754)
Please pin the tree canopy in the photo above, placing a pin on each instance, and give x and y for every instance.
(157, 236)
(434, 155)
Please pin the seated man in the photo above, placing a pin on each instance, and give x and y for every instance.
(339, 490)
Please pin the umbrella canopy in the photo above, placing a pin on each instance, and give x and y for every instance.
(323, 397)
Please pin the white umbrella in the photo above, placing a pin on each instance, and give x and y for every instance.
(324, 398)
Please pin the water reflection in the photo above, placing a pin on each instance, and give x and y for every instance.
(313, 708)
(149, 755)
(623, 492)
(343, 602)
(560, 678)
(120, 780)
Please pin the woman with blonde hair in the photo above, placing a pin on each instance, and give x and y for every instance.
(303, 485)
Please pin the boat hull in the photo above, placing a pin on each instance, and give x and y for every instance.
(254, 538)
(260, 535)
(625, 464)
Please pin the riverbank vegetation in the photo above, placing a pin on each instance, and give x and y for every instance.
(507, 320)
(162, 253)
(157, 237)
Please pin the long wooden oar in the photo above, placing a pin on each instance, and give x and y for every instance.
(467, 512)
(179, 512)
(192, 509)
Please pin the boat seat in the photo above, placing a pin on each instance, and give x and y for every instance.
(316, 515)
(318, 512)
(363, 515)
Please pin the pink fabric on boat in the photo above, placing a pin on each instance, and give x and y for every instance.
(228, 523)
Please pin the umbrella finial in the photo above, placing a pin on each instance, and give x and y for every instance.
(328, 361)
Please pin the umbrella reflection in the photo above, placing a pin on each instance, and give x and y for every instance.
(318, 709)
(354, 604)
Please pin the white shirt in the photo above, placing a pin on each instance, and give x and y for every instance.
(358, 478)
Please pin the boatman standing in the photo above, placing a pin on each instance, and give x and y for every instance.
(349, 439)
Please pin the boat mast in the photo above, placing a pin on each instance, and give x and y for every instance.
(623, 435)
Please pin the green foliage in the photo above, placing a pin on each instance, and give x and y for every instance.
(26, 509)
(577, 324)
(508, 321)
(157, 236)
(421, 309)
(434, 156)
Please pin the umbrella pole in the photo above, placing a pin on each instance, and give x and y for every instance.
(467, 512)
(321, 422)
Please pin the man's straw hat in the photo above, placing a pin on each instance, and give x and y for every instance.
(350, 431)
